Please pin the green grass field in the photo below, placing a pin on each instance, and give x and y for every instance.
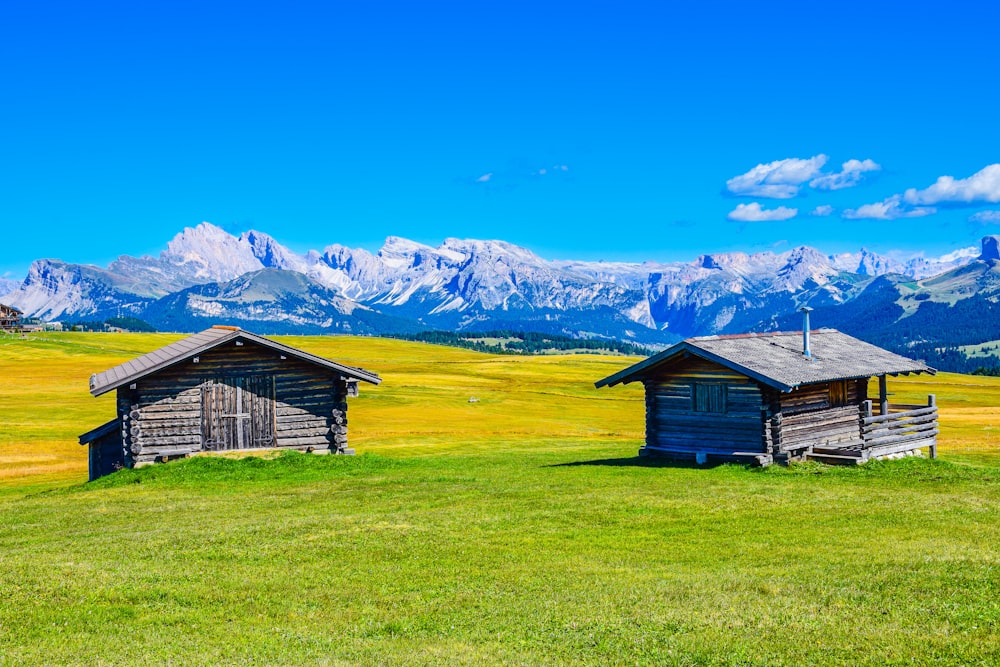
(990, 348)
(519, 529)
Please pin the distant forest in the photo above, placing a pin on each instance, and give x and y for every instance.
(522, 342)
(936, 331)
(513, 342)
(126, 323)
(934, 335)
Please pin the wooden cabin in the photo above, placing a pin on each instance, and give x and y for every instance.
(763, 398)
(218, 390)
(10, 318)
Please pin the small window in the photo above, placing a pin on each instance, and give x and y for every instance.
(838, 393)
(708, 397)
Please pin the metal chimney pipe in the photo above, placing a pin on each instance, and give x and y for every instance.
(806, 352)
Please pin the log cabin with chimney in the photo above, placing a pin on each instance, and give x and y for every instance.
(778, 397)
(220, 390)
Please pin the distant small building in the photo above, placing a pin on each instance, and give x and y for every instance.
(218, 390)
(32, 325)
(767, 397)
(10, 318)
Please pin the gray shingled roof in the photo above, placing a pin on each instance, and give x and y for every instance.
(776, 359)
(199, 343)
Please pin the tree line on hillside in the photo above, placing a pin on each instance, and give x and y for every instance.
(522, 342)
(933, 334)
(111, 323)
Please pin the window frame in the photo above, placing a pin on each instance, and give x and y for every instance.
(720, 402)
(838, 394)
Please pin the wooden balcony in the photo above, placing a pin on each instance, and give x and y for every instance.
(901, 428)
(896, 429)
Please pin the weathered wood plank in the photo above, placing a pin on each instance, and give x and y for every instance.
(908, 422)
(315, 441)
(898, 415)
(921, 435)
(317, 428)
(305, 408)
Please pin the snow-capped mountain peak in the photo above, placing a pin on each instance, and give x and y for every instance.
(208, 253)
(473, 283)
(271, 254)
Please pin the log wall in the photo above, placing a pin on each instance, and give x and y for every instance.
(162, 417)
(672, 424)
(805, 417)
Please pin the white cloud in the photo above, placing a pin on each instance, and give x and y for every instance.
(752, 212)
(983, 186)
(890, 208)
(822, 211)
(985, 217)
(850, 175)
(780, 179)
(485, 178)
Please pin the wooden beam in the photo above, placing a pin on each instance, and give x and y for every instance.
(932, 403)
(883, 396)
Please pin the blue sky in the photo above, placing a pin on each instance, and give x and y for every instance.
(580, 130)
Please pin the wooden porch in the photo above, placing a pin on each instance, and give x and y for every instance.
(895, 430)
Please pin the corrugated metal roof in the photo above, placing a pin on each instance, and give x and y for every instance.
(199, 343)
(776, 359)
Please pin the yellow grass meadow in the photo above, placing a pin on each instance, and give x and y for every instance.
(423, 406)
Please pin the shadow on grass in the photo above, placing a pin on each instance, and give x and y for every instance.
(640, 462)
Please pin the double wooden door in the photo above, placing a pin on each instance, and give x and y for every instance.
(237, 412)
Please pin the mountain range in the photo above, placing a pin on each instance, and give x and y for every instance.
(206, 275)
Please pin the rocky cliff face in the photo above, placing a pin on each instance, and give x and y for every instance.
(991, 248)
(54, 290)
(463, 283)
(7, 286)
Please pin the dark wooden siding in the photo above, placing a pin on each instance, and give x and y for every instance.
(105, 455)
(810, 416)
(163, 416)
(674, 423)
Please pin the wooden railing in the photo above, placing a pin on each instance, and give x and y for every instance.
(900, 431)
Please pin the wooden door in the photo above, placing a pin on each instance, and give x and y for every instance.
(237, 412)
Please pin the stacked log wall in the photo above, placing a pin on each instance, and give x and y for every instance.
(672, 423)
(162, 416)
(806, 418)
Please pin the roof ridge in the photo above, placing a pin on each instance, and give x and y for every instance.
(770, 358)
(760, 334)
(197, 343)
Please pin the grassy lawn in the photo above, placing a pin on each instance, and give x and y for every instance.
(519, 529)
(990, 348)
